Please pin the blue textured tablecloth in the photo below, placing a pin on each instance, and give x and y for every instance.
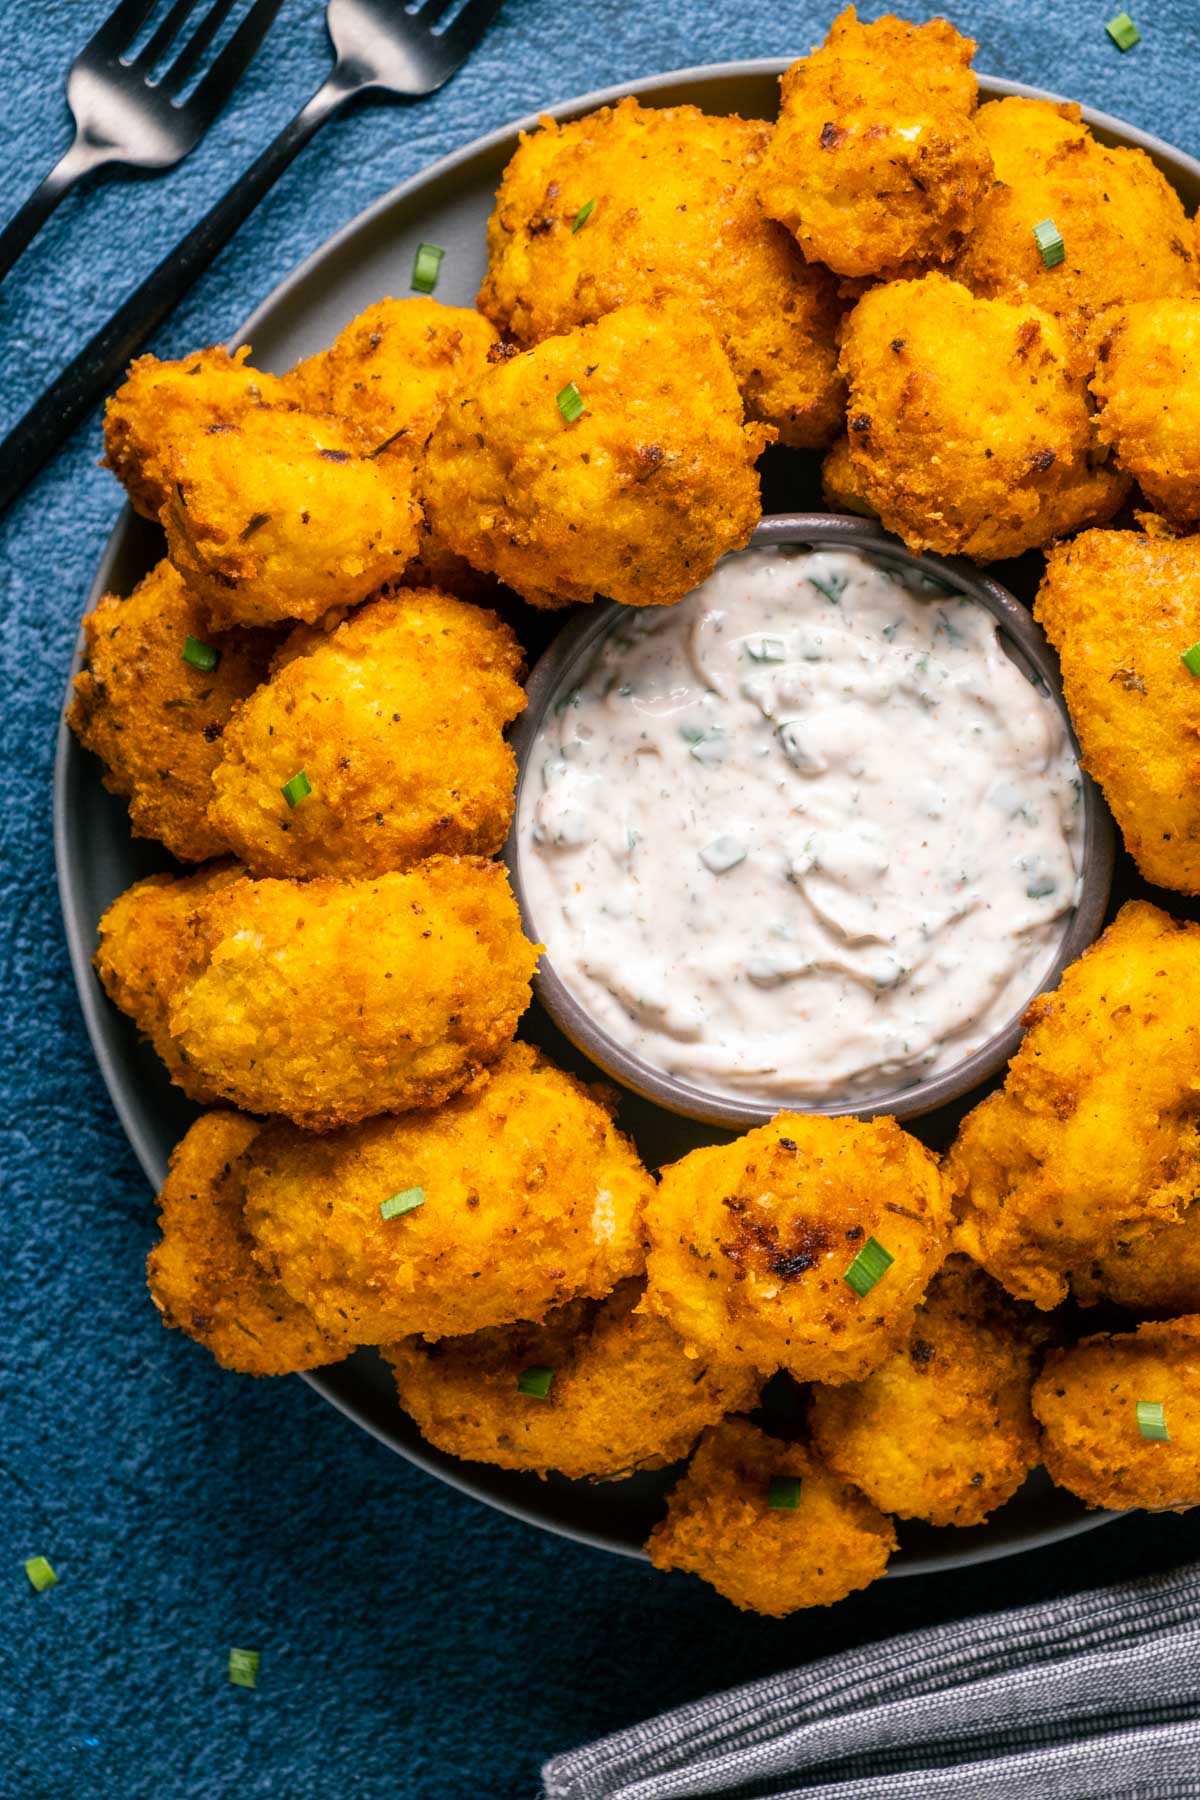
(414, 1644)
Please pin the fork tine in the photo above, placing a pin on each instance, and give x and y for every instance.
(465, 32)
(164, 35)
(188, 60)
(430, 12)
(121, 27)
(211, 93)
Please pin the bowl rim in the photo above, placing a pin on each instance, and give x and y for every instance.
(572, 645)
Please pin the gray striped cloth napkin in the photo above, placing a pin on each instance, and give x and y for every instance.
(1093, 1697)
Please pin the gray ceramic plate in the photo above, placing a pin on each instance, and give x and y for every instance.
(370, 257)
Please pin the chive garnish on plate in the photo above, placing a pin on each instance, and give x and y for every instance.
(1123, 32)
(243, 1667)
(1152, 1421)
(871, 1263)
(1190, 659)
(297, 789)
(570, 403)
(41, 1575)
(426, 265)
(199, 655)
(406, 1201)
(583, 215)
(1049, 241)
(536, 1382)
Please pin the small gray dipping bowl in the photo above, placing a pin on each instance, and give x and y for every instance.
(561, 666)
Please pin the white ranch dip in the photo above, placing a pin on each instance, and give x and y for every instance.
(810, 835)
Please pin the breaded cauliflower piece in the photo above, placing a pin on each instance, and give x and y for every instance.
(1156, 1276)
(636, 499)
(750, 1243)
(393, 368)
(202, 1274)
(821, 1545)
(397, 719)
(1094, 1137)
(969, 432)
(527, 1197)
(633, 203)
(328, 1001)
(839, 482)
(942, 1431)
(143, 953)
(1125, 234)
(161, 405)
(154, 720)
(1121, 607)
(278, 515)
(875, 162)
(1087, 1399)
(623, 1396)
(1147, 381)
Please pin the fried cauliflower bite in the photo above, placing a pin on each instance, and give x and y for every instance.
(161, 405)
(393, 368)
(154, 720)
(202, 1274)
(143, 953)
(969, 432)
(673, 212)
(623, 1395)
(636, 500)
(813, 1550)
(1148, 384)
(278, 515)
(328, 1001)
(1153, 1276)
(942, 1431)
(1125, 234)
(1093, 1139)
(750, 1243)
(397, 719)
(1120, 607)
(875, 162)
(1086, 1400)
(528, 1196)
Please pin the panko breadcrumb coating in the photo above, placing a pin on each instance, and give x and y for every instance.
(875, 162)
(636, 499)
(1125, 234)
(202, 1274)
(1121, 607)
(1094, 1138)
(154, 720)
(160, 405)
(942, 1431)
(327, 1001)
(393, 368)
(768, 1559)
(672, 212)
(1156, 1276)
(969, 432)
(1087, 1398)
(397, 719)
(623, 1397)
(143, 952)
(750, 1243)
(278, 515)
(1148, 384)
(529, 1196)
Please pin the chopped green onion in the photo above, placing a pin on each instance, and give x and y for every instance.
(297, 789)
(1123, 32)
(570, 403)
(1152, 1421)
(766, 649)
(832, 586)
(200, 656)
(535, 1382)
(1050, 242)
(723, 854)
(583, 215)
(243, 1668)
(41, 1575)
(402, 1202)
(783, 1493)
(1191, 659)
(426, 265)
(872, 1262)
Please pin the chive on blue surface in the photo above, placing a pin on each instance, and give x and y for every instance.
(1191, 659)
(243, 1668)
(407, 1201)
(41, 1575)
(583, 215)
(427, 264)
(1152, 1421)
(199, 655)
(570, 403)
(1050, 242)
(297, 789)
(1123, 32)
(871, 1263)
(783, 1493)
(536, 1382)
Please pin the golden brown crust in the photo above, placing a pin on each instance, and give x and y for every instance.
(1153, 1276)
(750, 1243)
(1120, 607)
(531, 1197)
(1086, 1400)
(773, 1560)
(1147, 381)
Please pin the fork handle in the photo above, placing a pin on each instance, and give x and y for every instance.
(75, 163)
(100, 366)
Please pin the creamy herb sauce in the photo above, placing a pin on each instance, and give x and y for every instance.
(810, 835)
